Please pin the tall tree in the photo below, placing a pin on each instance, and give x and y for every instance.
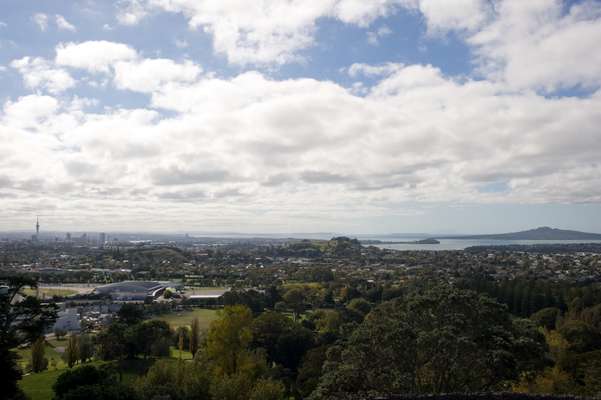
(151, 336)
(194, 336)
(85, 348)
(229, 338)
(39, 362)
(295, 300)
(72, 351)
(130, 314)
(23, 319)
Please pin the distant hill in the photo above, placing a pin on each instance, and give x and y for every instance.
(542, 233)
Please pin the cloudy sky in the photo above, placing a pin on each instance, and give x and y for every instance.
(350, 116)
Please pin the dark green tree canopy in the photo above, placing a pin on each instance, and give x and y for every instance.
(440, 341)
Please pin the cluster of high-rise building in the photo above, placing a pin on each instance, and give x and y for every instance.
(100, 241)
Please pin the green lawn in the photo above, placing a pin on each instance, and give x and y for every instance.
(39, 386)
(186, 355)
(51, 355)
(184, 318)
(203, 290)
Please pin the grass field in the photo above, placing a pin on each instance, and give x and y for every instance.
(191, 290)
(49, 292)
(186, 355)
(54, 357)
(39, 386)
(184, 318)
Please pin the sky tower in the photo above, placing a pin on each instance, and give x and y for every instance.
(37, 226)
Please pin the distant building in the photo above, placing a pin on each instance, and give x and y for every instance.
(208, 298)
(34, 238)
(101, 239)
(68, 237)
(133, 290)
(68, 320)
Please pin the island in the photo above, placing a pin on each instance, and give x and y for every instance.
(542, 233)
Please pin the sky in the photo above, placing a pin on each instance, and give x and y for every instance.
(281, 116)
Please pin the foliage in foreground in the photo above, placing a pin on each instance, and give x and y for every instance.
(444, 340)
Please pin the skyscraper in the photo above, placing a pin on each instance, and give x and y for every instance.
(37, 226)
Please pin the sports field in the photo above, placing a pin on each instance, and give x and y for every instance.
(184, 318)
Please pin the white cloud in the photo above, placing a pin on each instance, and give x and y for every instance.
(131, 12)
(151, 74)
(63, 24)
(39, 73)
(534, 44)
(41, 20)
(94, 56)
(236, 146)
(442, 16)
(250, 149)
(29, 111)
(263, 31)
(364, 13)
(3, 24)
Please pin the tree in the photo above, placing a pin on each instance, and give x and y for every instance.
(310, 370)
(161, 380)
(440, 341)
(182, 338)
(229, 338)
(267, 389)
(59, 333)
(285, 341)
(179, 381)
(546, 317)
(194, 339)
(231, 387)
(86, 348)
(360, 305)
(88, 382)
(39, 362)
(151, 337)
(23, 319)
(180, 344)
(72, 351)
(580, 336)
(295, 300)
(111, 342)
(130, 314)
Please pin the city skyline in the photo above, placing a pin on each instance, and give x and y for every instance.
(468, 116)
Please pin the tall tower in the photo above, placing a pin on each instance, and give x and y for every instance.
(37, 226)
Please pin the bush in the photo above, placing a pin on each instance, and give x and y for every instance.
(546, 318)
